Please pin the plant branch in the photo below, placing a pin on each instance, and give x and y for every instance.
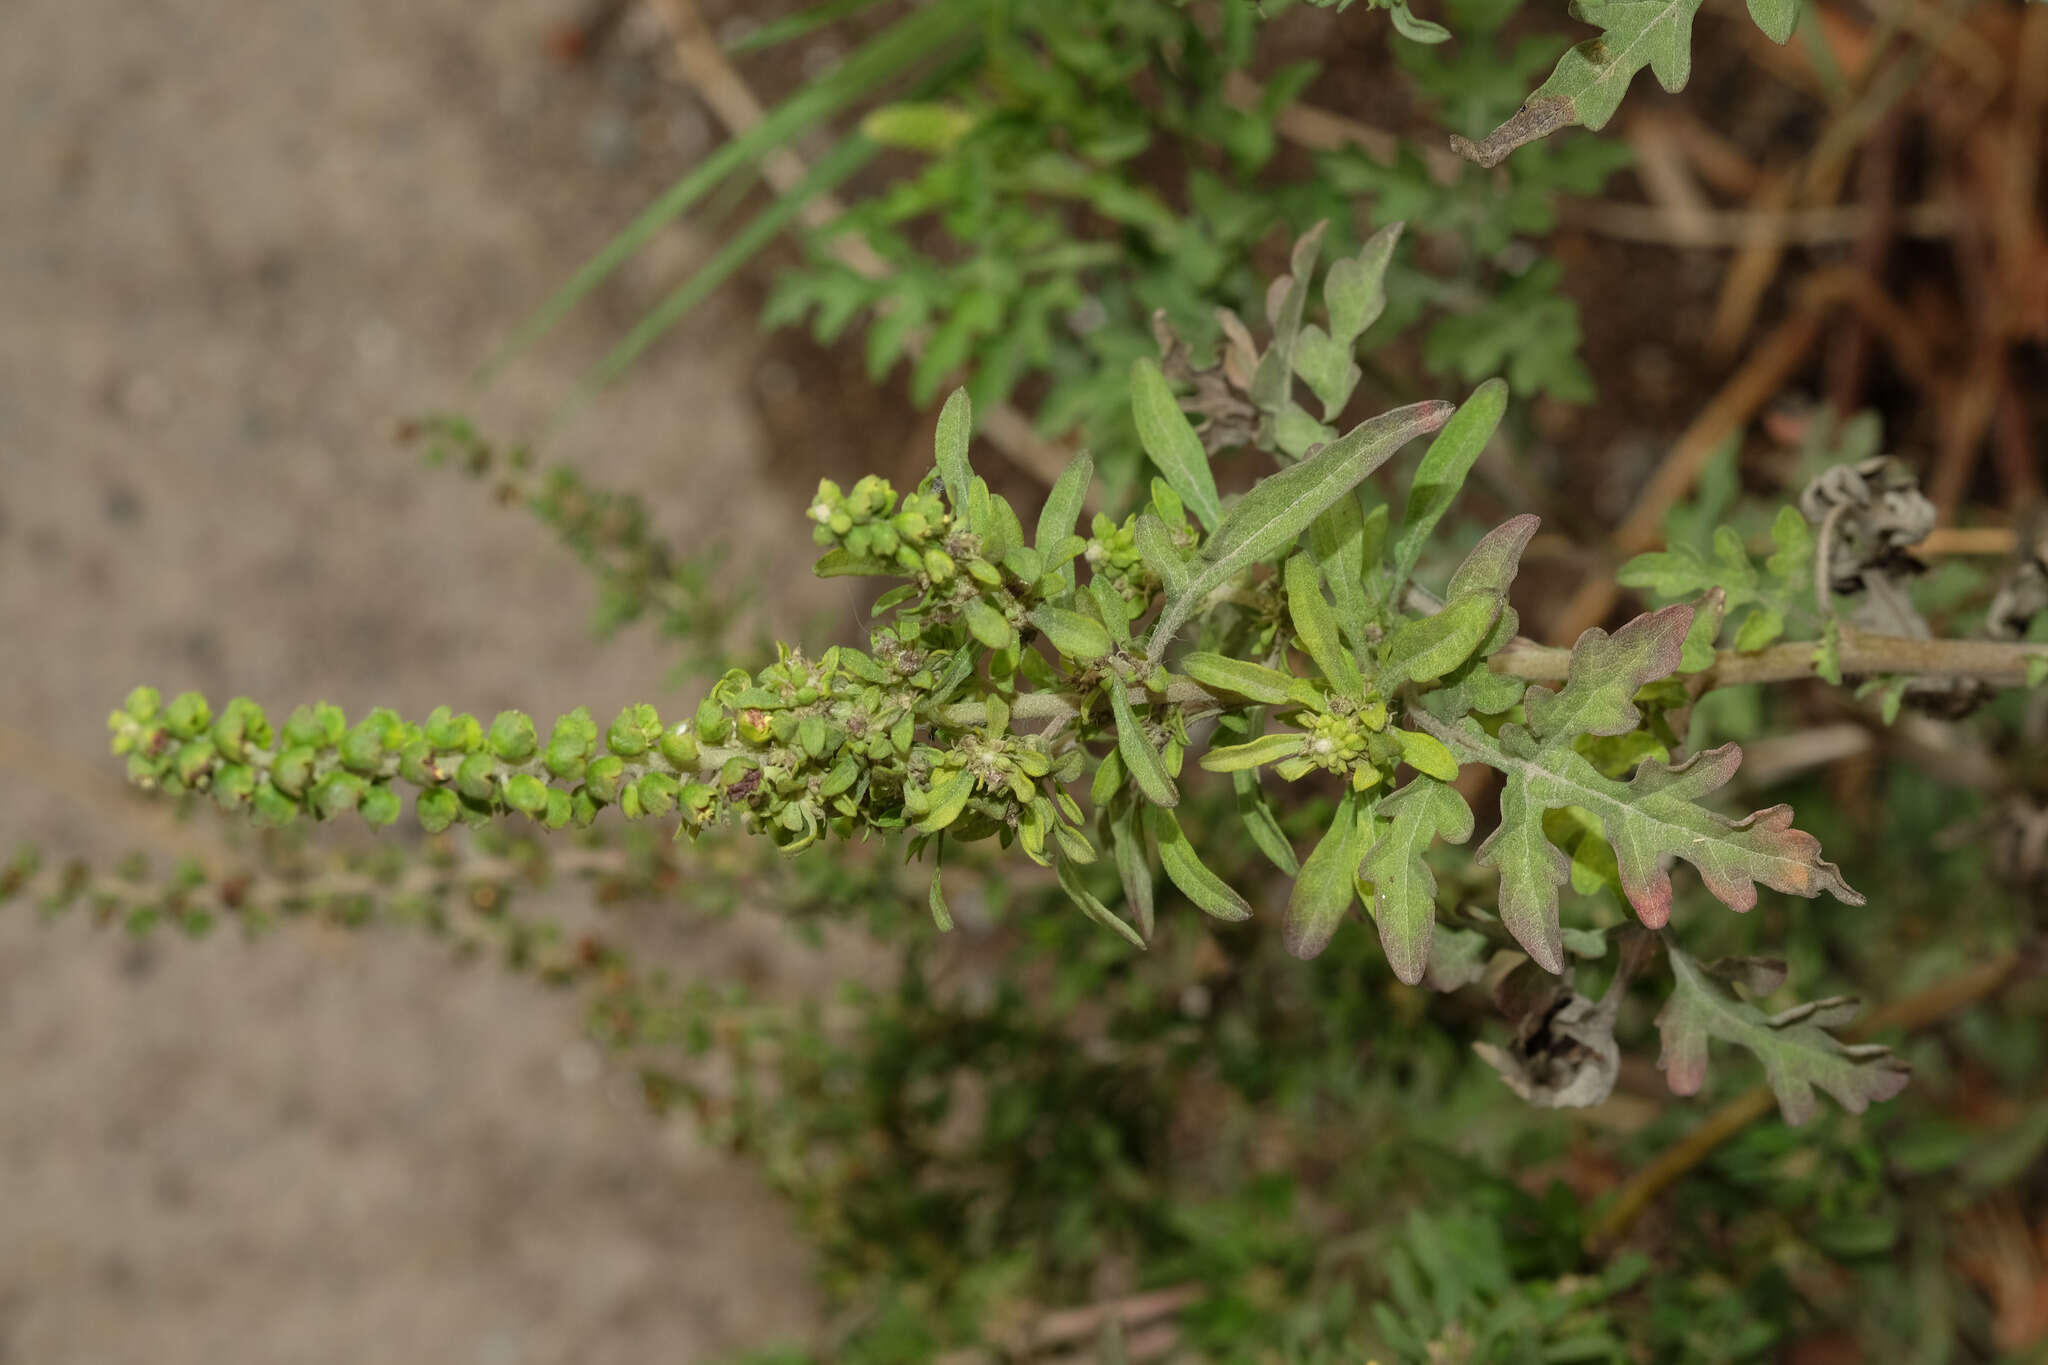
(1862, 654)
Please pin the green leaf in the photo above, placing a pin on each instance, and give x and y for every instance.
(1147, 769)
(1327, 885)
(1403, 887)
(1431, 646)
(1795, 1046)
(1442, 473)
(1315, 626)
(1325, 365)
(1285, 300)
(1655, 815)
(1338, 539)
(1133, 867)
(987, 624)
(1777, 18)
(1355, 289)
(941, 916)
(1273, 514)
(948, 800)
(1261, 825)
(919, 125)
(1079, 894)
(1415, 30)
(956, 424)
(1062, 510)
(1210, 893)
(1605, 673)
(1427, 755)
(1161, 555)
(1171, 442)
(1232, 758)
(1254, 682)
(1072, 634)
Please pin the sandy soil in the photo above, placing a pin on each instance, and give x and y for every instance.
(237, 240)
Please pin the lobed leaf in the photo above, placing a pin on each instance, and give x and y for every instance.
(1403, 887)
(1798, 1053)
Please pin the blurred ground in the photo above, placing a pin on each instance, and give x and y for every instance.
(238, 239)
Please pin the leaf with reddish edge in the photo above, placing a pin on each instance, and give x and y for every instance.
(1794, 1045)
(1605, 671)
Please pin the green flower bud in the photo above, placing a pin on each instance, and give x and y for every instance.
(629, 802)
(583, 808)
(188, 716)
(679, 747)
(527, 794)
(241, 724)
(233, 785)
(559, 809)
(143, 703)
(453, 732)
(362, 748)
(636, 728)
(475, 778)
(437, 809)
(335, 793)
(657, 793)
(194, 759)
(603, 776)
(512, 736)
(754, 726)
(271, 808)
(293, 770)
(570, 746)
(416, 762)
(938, 564)
(380, 805)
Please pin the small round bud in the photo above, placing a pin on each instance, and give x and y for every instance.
(380, 804)
(527, 794)
(679, 747)
(188, 716)
(437, 809)
(603, 777)
(512, 736)
(335, 793)
(143, 703)
(293, 770)
(475, 779)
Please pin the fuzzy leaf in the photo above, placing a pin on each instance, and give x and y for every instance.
(1605, 671)
(1254, 682)
(1072, 634)
(1355, 289)
(1210, 893)
(1442, 472)
(1430, 646)
(1171, 442)
(1277, 509)
(1161, 555)
(1648, 818)
(956, 423)
(1133, 867)
(1078, 892)
(1403, 887)
(1795, 1047)
(1062, 510)
(1315, 627)
(1339, 540)
(1285, 300)
(1327, 884)
(1236, 758)
(1147, 769)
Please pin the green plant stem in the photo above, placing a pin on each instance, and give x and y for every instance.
(1862, 654)
(1917, 1011)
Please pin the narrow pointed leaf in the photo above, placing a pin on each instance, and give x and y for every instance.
(1077, 892)
(1210, 893)
(1337, 538)
(1273, 514)
(1062, 510)
(1171, 442)
(1315, 626)
(1232, 758)
(1146, 767)
(1441, 475)
(1355, 289)
(1327, 885)
(1161, 555)
(949, 443)
(1254, 682)
(1133, 867)
(1285, 301)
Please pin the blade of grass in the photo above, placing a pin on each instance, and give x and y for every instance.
(913, 38)
(798, 24)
